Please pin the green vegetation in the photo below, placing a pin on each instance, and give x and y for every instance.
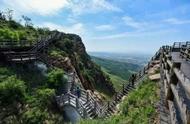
(118, 72)
(55, 79)
(22, 102)
(137, 108)
(116, 80)
(26, 94)
(120, 69)
(12, 89)
(12, 31)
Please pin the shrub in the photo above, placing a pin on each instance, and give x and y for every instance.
(12, 90)
(45, 96)
(55, 78)
(34, 116)
(7, 34)
(68, 44)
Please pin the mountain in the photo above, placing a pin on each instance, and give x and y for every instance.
(120, 69)
(27, 94)
(118, 72)
(135, 58)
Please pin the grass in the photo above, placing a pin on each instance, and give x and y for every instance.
(116, 80)
(120, 69)
(137, 108)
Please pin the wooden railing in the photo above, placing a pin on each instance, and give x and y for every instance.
(11, 43)
(185, 53)
(45, 41)
(173, 80)
(70, 99)
(34, 53)
(20, 56)
(108, 108)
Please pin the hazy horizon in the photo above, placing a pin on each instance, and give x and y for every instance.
(124, 26)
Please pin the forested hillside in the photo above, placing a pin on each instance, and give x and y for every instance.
(27, 91)
(119, 72)
(121, 69)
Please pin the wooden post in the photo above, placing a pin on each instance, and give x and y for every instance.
(116, 96)
(144, 70)
(84, 113)
(123, 87)
(95, 106)
(77, 103)
(139, 74)
(69, 99)
(87, 97)
(170, 57)
(177, 65)
(173, 77)
(148, 65)
(108, 105)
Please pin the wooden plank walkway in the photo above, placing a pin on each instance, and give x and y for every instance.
(175, 75)
(185, 65)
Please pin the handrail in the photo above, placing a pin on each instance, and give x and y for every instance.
(172, 76)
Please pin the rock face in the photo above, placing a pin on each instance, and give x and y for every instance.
(154, 71)
(73, 57)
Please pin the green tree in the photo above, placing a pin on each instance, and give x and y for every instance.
(34, 116)
(45, 96)
(68, 44)
(55, 78)
(11, 90)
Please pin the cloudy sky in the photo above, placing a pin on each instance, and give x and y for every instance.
(111, 25)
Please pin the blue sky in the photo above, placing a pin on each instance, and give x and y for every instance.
(111, 25)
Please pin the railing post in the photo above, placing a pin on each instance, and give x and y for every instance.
(170, 57)
(173, 77)
(123, 87)
(148, 65)
(87, 97)
(108, 105)
(77, 103)
(177, 65)
(69, 99)
(116, 96)
(144, 70)
(95, 106)
(84, 113)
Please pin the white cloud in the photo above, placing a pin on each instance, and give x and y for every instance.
(135, 34)
(104, 27)
(42, 7)
(176, 21)
(129, 21)
(51, 7)
(79, 7)
(77, 28)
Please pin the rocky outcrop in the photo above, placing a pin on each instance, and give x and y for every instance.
(76, 59)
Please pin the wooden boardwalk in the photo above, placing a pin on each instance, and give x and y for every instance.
(175, 83)
(185, 65)
(175, 79)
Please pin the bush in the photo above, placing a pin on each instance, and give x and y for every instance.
(34, 116)
(45, 96)
(7, 34)
(68, 44)
(12, 90)
(55, 78)
(14, 24)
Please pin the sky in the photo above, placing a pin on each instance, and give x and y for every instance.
(122, 26)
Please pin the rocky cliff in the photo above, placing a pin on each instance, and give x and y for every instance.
(70, 54)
